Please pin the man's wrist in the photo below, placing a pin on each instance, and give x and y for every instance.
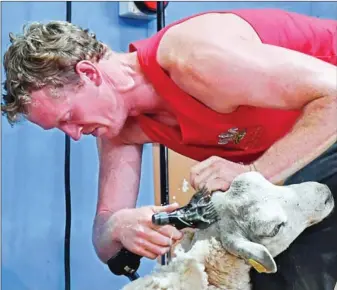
(253, 167)
(105, 236)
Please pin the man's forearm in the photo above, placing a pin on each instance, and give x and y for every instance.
(313, 134)
(119, 175)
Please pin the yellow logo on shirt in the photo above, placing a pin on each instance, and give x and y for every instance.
(234, 135)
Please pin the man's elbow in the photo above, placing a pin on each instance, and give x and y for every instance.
(319, 118)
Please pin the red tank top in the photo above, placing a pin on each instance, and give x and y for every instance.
(244, 135)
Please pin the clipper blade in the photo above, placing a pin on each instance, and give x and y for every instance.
(199, 213)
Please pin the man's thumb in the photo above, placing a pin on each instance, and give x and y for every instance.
(166, 208)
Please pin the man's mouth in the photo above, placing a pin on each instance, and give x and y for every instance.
(95, 132)
(90, 132)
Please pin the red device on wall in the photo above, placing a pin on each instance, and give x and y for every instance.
(148, 7)
(145, 10)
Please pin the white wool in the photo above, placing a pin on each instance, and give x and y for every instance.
(205, 265)
(185, 271)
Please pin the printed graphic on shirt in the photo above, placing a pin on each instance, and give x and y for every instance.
(241, 138)
(233, 134)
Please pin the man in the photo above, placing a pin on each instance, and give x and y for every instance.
(236, 90)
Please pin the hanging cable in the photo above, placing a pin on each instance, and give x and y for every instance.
(68, 214)
(67, 233)
(163, 151)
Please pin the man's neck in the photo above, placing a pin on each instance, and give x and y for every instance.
(141, 97)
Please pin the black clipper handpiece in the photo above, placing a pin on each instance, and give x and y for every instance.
(198, 213)
(125, 263)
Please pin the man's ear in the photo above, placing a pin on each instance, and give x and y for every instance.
(255, 254)
(87, 71)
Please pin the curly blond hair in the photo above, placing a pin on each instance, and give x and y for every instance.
(44, 54)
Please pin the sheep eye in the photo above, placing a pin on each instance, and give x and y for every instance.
(276, 229)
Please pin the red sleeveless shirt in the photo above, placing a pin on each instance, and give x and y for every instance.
(245, 134)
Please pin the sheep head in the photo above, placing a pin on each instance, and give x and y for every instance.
(259, 220)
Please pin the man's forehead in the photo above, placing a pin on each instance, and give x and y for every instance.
(45, 107)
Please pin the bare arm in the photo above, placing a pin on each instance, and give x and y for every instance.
(313, 134)
(224, 71)
(119, 175)
(118, 223)
(118, 163)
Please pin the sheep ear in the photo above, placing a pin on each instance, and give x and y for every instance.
(255, 254)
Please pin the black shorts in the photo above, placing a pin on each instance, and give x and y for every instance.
(310, 263)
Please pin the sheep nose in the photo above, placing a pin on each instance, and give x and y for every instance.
(329, 202)
(328, 199)
(324, 193)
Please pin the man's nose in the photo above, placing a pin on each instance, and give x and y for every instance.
(72, 130)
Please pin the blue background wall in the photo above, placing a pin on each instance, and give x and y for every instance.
(32, 160)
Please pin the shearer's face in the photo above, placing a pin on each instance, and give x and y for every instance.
(88, 109)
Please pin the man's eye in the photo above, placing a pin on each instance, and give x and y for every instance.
(67, 117)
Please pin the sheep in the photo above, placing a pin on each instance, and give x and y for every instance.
(258, 221)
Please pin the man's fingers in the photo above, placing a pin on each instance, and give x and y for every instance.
(166, 208)
(201, 179)
(217, 184)
(144, 253)
(170, 232)
(204, 164)
(152, 248)
(157, 238)
(201, 169)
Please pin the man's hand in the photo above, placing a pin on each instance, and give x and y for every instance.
(215, 173)
(133, 229)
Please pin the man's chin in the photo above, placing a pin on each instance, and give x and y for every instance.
(104, 133)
